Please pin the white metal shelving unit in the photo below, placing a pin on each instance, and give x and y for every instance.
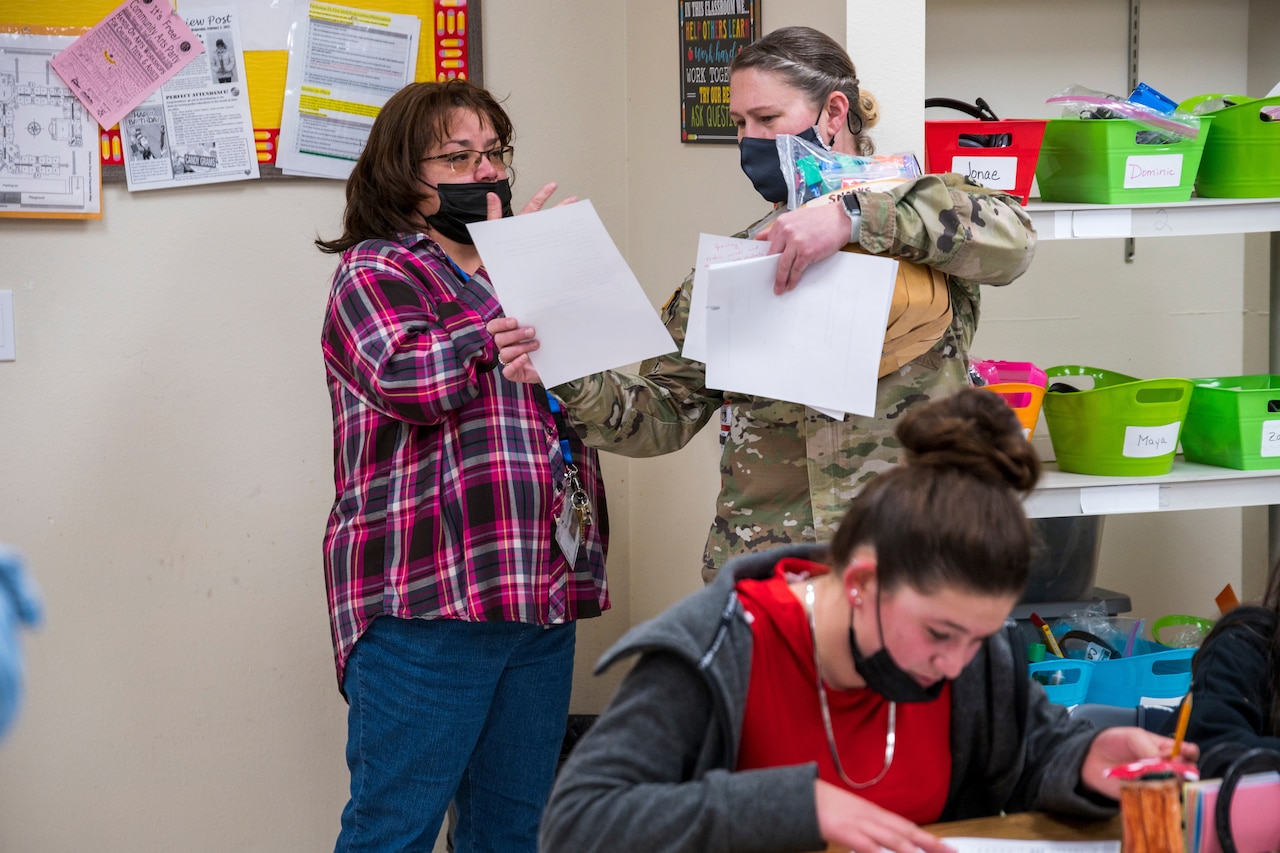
(1188, 485)
(1200, 216)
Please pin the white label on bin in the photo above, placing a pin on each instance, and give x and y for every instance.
(1271, 438)
(997, 173)
(1152, 170)
(1144, 442)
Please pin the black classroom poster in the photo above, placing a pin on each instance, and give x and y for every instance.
(711, 34)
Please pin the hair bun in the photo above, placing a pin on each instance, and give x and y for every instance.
(972, 431)
(868, 108)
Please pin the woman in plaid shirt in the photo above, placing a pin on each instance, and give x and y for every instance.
(458, 553)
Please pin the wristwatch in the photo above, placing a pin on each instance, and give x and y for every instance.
(854, 211)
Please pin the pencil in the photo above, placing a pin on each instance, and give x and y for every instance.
(1184, 717)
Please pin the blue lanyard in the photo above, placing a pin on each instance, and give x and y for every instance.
(462, 275)
(562, 428)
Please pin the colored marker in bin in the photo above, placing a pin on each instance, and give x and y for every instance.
(1050, 642)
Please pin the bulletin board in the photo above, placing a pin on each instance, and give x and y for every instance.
(449, 47)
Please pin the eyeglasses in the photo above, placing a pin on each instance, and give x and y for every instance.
(467, 160)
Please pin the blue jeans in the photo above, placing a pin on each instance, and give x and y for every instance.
(443, 710)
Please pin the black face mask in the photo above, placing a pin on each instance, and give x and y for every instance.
(462, 204)
(760, 162)
(886, 677)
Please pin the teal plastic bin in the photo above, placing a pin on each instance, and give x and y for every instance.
(1065, 680)
(1153, 672)
(1159, 673)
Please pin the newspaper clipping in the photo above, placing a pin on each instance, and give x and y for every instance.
(196, 129)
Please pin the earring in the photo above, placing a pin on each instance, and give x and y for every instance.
(857, 599)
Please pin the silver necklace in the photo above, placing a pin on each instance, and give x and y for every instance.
(890, 738)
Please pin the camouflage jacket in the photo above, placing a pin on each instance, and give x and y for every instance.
(788, 471)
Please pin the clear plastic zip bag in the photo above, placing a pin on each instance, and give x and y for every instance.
(815, 170)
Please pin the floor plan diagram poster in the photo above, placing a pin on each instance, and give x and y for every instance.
(49, 162)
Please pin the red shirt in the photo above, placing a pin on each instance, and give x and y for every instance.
(783, 721)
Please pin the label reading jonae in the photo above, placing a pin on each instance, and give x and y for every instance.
(997, 173)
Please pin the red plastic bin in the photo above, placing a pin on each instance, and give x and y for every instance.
(1011, 168)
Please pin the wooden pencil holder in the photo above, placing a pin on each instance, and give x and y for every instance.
(1151, 815)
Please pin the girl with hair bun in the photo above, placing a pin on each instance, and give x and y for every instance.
(847, 694)
(787, 471)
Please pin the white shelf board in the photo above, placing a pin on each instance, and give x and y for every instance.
(1065, 221)
(1187, 486)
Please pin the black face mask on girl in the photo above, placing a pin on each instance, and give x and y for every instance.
(462, 204)
(886, 677)
(760, 162)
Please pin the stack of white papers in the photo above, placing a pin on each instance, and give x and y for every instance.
(818, 345)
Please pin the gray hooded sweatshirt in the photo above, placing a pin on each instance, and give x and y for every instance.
(656, 772)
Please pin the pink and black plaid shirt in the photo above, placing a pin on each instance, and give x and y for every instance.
(448, 477)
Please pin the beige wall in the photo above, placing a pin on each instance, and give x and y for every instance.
(166, 457)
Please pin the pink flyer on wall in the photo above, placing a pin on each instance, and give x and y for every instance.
(128, 55)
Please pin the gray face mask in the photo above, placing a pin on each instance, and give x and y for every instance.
(462, 204)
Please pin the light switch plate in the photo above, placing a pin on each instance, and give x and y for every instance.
(7, 352)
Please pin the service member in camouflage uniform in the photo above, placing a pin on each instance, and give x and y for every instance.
(788, 471)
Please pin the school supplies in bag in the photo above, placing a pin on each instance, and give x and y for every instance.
(814, 170)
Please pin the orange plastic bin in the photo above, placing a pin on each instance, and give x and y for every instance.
(1020, 383)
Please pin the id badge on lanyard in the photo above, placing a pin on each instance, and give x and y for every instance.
(575, 516)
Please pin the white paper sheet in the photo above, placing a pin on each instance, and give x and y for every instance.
(1007, 845)
(712, 250)
(818, 345)
(264, 24)
(558, 271)
(344, 64)
(56, 172)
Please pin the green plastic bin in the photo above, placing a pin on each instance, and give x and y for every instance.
(1242, 150)
(1234, 422)
(1115, 425)
(1099, 161)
